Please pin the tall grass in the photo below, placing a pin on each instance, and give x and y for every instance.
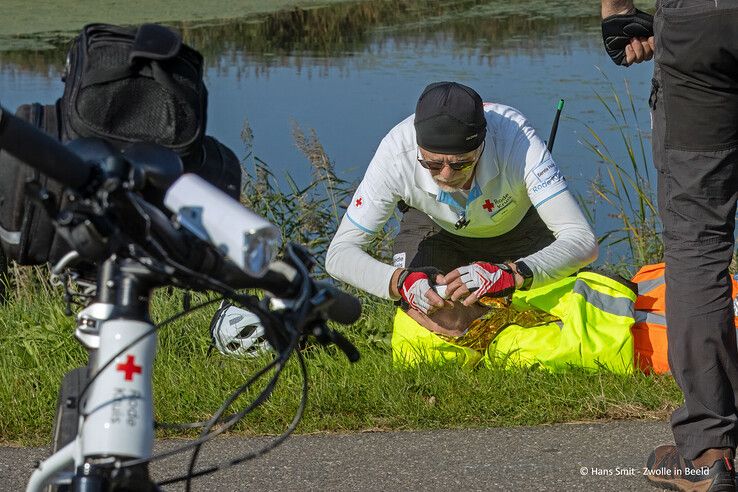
(625, 186)
(306, 214)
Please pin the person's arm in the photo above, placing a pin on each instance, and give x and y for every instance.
(346, 260)
(529, 162)
(370, 208)
(616, 7)
(575, 245)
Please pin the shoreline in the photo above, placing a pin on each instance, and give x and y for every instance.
(36, 25)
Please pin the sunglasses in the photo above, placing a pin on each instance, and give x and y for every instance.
(456, 165)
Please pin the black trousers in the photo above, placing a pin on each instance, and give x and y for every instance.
(694, 103)
(421, 242)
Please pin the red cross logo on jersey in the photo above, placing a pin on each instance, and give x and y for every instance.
(358, 202)
(130, 368)
(488, 206)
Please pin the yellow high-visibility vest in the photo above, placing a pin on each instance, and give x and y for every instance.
(589, 326)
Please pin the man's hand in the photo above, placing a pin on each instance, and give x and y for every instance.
(414, 286)
(628, 37)
(472, 282)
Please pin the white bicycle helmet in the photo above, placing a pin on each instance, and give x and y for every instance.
(236, 331)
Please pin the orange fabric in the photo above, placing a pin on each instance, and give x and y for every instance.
(649, 337)
(650, 348)
(653, 301)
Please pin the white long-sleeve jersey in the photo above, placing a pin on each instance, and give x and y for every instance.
(514, 172)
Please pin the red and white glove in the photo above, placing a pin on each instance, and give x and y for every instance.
(486, 279)
(414, 284)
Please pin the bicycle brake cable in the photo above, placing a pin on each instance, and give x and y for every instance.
(263, 450)
(261, 398)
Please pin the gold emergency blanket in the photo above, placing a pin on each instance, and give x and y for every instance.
(501, 314)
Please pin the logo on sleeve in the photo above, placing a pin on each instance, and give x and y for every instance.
(359, 202)
(547, 175)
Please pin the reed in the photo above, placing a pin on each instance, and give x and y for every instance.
(624, 188)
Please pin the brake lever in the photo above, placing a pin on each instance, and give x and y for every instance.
(327, 336)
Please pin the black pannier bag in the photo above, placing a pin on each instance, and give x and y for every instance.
(26, 233)
(127, 85)
(124, 85)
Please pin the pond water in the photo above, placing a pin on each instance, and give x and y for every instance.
(351, 75)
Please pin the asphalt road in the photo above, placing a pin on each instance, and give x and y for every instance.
(566, 457)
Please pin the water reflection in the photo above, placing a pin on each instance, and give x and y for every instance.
(352, 71)
(480, 28)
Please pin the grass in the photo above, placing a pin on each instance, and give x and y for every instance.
(63, 16)
(372, 394)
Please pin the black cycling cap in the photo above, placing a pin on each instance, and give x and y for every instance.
(449, 119)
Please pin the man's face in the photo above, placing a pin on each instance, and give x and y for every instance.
(441, 169)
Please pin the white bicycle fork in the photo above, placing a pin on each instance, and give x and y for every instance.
(116, 417)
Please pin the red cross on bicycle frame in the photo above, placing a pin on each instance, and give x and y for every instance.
(359, 202)
(130, 368)
(488, 206)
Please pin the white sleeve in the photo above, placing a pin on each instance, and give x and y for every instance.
(575, 245)
(532, 162)
(376, 196)
(347, 261)
(371, 206)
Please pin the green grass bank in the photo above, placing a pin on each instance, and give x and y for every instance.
(37, 348)
(48, 16)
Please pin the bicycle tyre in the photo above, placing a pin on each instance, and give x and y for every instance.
(66, 420)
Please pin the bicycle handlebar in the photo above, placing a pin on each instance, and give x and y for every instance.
(39, 150)
(122, 220)
(281, 279)
(345, 308)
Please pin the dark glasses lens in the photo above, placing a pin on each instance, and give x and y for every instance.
(438, 165)
(456, 166)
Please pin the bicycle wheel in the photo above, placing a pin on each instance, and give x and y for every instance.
(67, 415)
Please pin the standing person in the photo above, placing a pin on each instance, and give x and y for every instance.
(694, 104)
(490, 208)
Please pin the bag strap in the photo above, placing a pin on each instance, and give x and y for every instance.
(155, 42)
(36, 117)
(152, 44)
(52, 121)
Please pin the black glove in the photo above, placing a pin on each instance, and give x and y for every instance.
(618, 30)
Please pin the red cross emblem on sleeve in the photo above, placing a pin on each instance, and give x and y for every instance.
(359, 202)
(488, 206)
(129, 368)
